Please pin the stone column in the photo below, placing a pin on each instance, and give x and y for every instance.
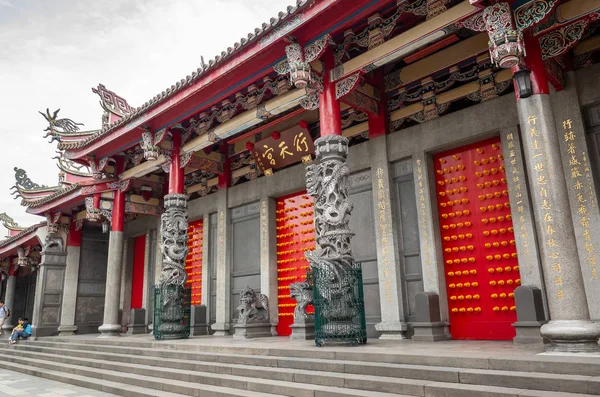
(268, 257)
(393, 316)
(49, 285)
(435, 328)
(581, 188)
(146, 293)
(332, 262)
(67, 315)
(9, 296)
(112, 295)
(529, 320)
(570, 328)
(223, 315)
(174, 233)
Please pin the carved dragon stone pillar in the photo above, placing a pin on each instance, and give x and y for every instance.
(334, 269)
(174, 225)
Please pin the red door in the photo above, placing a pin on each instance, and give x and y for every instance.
(480, 258)
(137, 278)
(295, 235)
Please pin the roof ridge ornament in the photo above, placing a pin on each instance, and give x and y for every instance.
(9, 223)
(112, 102)
(24, 182)
(58, 128)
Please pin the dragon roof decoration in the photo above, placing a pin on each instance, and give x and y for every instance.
(9, 223)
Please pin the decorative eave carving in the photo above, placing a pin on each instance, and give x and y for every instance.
(559, 41)
(70, 167)
(533, 12)
(98, 167)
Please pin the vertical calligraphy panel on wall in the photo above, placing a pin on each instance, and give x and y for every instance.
(295, 235)
(193, 262)
(479, 248)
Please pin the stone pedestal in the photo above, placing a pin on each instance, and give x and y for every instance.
(570, 328)
(268, 255)
(137, 322)
(428, 327)
(111, 325)
(198, 321)
(303, 330)
(250, 331)
(9, 300)
(530, 315)
(67, 316)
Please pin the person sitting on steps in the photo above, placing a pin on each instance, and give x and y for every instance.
(22, 330)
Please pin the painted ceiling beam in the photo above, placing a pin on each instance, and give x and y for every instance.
(448, 57)
(405, 43)
(589, 45)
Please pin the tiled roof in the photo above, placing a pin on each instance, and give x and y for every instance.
(30, 229)
(190, 79)
(34, 203)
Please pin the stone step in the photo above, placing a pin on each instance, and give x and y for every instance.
(190, 383)
(294, 369)
(588, 366)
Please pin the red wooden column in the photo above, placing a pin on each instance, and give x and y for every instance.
(379, 125)
(330, 117)
(176, 172)
(111, 326)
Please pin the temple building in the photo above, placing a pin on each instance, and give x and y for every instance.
(464, 134)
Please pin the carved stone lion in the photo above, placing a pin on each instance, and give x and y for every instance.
(253, 308)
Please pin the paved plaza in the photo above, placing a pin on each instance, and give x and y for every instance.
(18, 384)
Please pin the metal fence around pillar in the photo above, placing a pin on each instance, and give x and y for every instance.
(339, 306)
(161, 316)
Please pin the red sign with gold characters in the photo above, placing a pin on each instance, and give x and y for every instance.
(280, 150)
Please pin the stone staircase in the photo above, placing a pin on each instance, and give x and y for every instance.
(133, 367)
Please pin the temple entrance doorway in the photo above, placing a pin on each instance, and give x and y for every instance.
(480, 258)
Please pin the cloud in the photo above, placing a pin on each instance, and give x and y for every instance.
(53, 53)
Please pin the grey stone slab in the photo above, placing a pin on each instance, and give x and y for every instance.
(459, 390)
(282, 388)
(523, 380)
(372, 383)
(438, 374)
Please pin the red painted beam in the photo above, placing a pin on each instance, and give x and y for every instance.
(431, 49)
(330, 116)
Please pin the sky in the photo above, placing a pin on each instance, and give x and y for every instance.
(52, 52)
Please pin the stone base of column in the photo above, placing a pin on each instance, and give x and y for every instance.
(392, 330)
(108, 330)
(220, 329)
(198, 323)
(138, 322)
(430, 332)
(67, 330)
(303, 331)
(251, 331)
(572, 336)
